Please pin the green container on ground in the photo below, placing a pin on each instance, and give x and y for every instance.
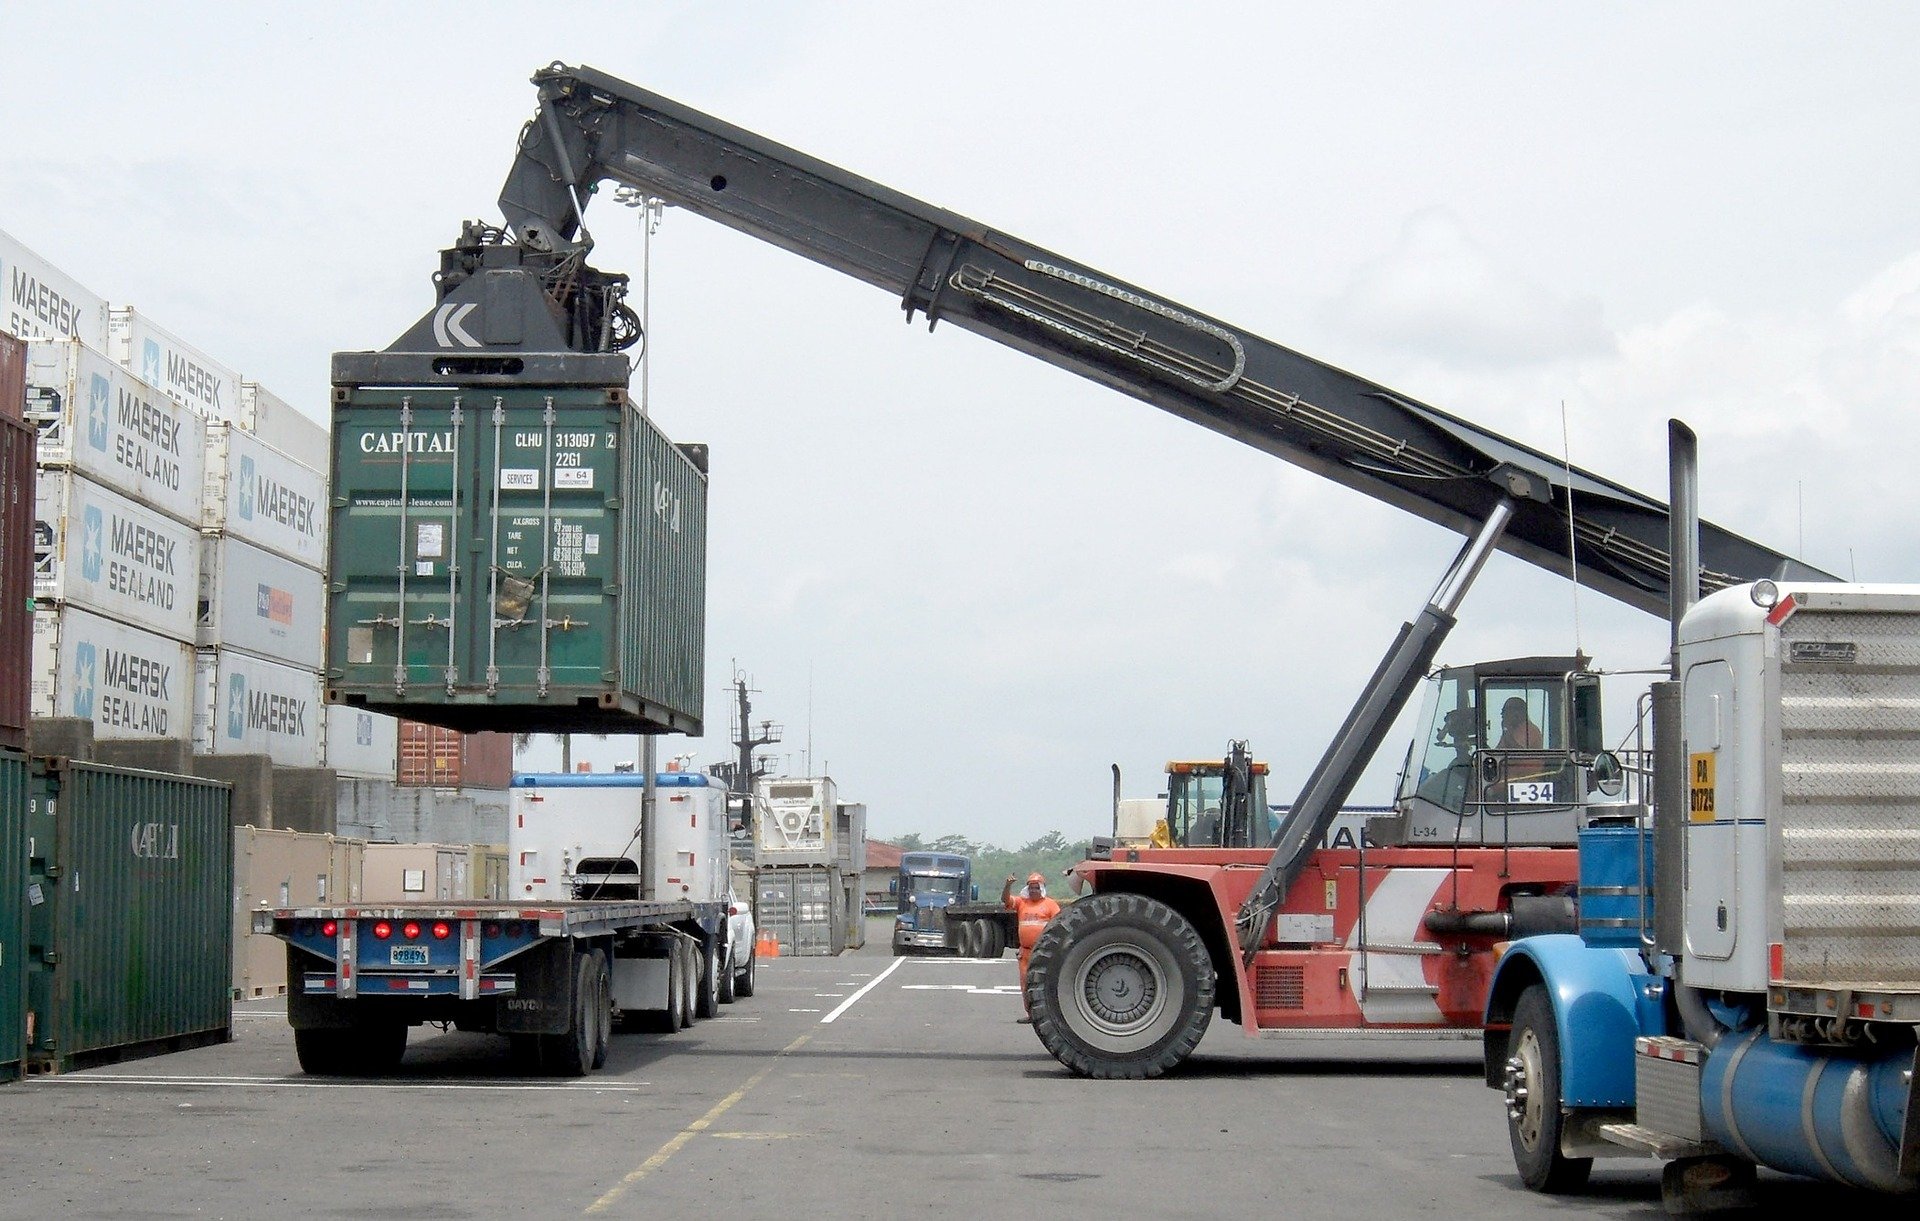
(131, 941)
(516, 559)
(13, 915)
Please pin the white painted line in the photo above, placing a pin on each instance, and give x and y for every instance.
(277, 1083)
(869, 986)
(803, 1011)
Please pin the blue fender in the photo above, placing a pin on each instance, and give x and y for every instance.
(1603, 999)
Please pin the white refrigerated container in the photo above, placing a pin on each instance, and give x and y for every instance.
(42, 302)
(262, 603)
(179, 370)
(280, 424)
(256, 493)
(129, 683)
(246, 705)
(97, 549)
(361, 744)
(95, 417)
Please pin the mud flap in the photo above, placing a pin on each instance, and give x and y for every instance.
(542, 1000)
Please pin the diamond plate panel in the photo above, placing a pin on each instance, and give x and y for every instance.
(1849, 818)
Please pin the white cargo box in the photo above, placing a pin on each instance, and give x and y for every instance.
(361, 744)
(99, 550)
(277, 422)
(43, 302)
(260, 602)
(97, 418)
(255, 492)
(246, 705)
(579, 831)
(181, 371)
(796, 825)
(129, 683)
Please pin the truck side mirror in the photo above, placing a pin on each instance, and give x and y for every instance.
(976, 894)
(1607, 774)
(1588, 735)
(893, 886)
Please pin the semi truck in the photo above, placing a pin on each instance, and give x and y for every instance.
(1744, 986)
(618, 913)
(927, 887)
(1282, 936)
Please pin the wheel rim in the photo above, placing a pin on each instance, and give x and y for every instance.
(1526, 1109)
(1122, 994)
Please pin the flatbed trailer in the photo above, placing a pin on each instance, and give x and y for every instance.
(552, 976)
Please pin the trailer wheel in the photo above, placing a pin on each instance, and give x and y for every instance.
(1534, 1117)
(570, 1053)
(996, 946)
(743, 982)
(728, 974)
(602, 1009)
(707, 1001)
(365, 1051)
(322, 1053)
(689, 983)
(1120, 986)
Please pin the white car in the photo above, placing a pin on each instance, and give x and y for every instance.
(737, 979)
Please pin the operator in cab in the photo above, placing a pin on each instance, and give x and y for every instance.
(1033, 909)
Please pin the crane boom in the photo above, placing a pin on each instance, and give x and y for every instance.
(592, 127)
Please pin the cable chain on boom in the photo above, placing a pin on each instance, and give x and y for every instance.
(1399, 457)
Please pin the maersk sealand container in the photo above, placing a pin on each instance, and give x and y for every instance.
(513, 558)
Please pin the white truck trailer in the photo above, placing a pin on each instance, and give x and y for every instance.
(612, 916)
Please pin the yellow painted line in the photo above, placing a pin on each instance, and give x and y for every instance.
(692, 1130)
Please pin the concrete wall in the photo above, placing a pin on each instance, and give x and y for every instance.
(380, 810)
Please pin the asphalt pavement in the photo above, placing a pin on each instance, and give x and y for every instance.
(857, 1086)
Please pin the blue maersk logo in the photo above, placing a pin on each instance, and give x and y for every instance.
(84, 670)
(93, 544)
(237, 706)
(99, 412)
(246, 488)
(150, 363)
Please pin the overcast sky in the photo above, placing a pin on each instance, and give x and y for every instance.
(970, 580)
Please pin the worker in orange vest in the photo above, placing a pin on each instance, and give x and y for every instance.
(1032, 909)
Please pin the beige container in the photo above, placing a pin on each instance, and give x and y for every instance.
(489, 873)
(275, 869)
(416, 873)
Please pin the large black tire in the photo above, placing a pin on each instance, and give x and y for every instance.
(602, 1009)
(743, 981)
(995, 941)
(963, 936)
(1534, 1117)
(728, 973)
(570, 1053)
(689, 982)
(322, 1053)
(1120, 986)
(707, 993)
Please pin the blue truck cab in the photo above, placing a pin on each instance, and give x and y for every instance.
(928, 883)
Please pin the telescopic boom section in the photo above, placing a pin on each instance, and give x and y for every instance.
(592, 127)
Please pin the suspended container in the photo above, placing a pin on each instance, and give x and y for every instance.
(516, 559)
(14, 900)
(131, 942)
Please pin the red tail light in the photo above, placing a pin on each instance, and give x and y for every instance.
(491, 928)
(442, 930)
(410, 931)
(329, 928)
(382, 930)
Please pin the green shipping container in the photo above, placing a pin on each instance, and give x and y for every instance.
(131, 937)
(13, 915)
(516, 559)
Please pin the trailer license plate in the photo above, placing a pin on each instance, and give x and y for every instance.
(407, 955)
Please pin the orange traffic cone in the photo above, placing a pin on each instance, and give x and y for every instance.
(766, 945)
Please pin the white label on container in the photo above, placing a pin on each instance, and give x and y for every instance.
(35, 897)
(573, 477)
(423, 568)
(429, 540)
(593, 544)
(516, 479)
